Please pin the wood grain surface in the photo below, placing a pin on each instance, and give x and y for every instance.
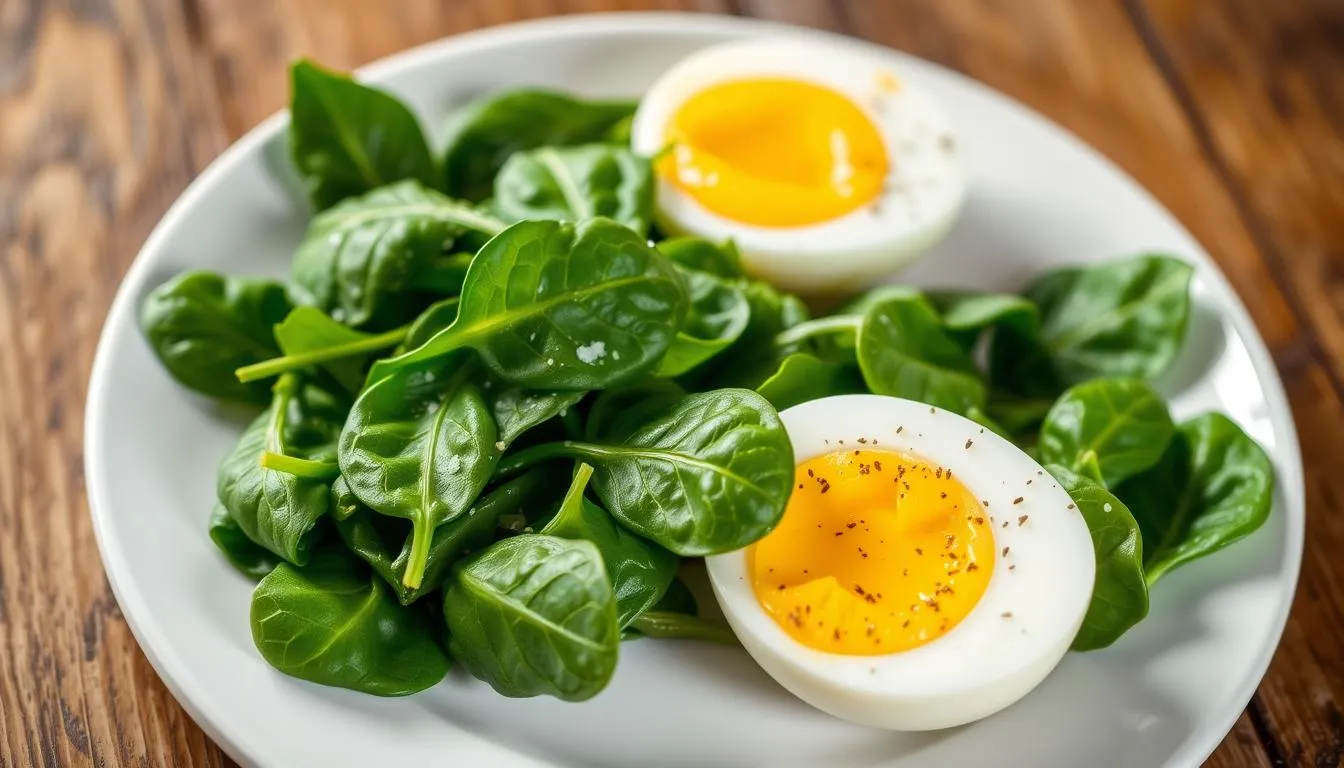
(1230, 111)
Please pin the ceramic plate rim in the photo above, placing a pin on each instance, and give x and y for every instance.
(171, 666)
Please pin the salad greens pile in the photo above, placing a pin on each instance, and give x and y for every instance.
(500, 409)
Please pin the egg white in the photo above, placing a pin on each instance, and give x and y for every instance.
(989, 660)
(925, 188)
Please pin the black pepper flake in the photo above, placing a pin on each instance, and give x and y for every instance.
(839, 533)
(899, 430)
(1012, 567)
(1005, 551)
(1005, 524)
(942, 495)
(810, 473)
(1028, 482)
(1021, 520)
(1007, 614)
(1018, 500)
(800, 486)
(877, 465)
(919, 551)
(939, 473)
(856, 451)
(905, 571)
(864, 468)
(972, 567)
(905, 624)
(858, 590)
(850, 525)
(1071, 506)
(836, 635)
(985, 502)
(979, 520)
(863, 440)
(781, 587)
(825, 487)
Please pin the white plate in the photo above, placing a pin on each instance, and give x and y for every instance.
(1165, 695)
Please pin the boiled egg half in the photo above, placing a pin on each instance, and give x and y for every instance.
(926, 573)
(819, 160)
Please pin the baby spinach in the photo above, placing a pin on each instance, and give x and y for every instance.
(802, 377)
(707, 473)
(203, 326)
(435, 318)
(717, 316)
(640, 570)
(755, 356)
(1119, 594)
(575, 184)
(419, 444)
(359, 259)
(563, 307)
(334, 623)
(673, 625)
(1121, 424)
(484, 134)
(1120, 318)
(1212, 487)
(346, 138)
(965, 315)
(384, 542)
(534, 615)
(251, 560)
(618, 411)
(693, 253)
(904, 351)
(275, 484)
(517, 410)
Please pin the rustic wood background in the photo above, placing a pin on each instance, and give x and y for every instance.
(1230, 111)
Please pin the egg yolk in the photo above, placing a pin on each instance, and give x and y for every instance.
(775, 152)
(879, 551)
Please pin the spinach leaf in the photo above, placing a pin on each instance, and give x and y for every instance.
(203, 326)
(346, 138)
(359, 260)
(309, 337)
(904, 351)
(802, 377)
(534, 615)
(1213, 486)
(718, 314)
(435, 318)
(618, 411)
(563, 307)
(334, 623)
(1120, 594)
(487, 132)
(419, 444)
(275, 484)
(384, 542)
(445, 274)
(577, 183)
(755, 356)
(517, 410)
(674, 625)
(707, 473)
(1121, 424)
(251, 560)
(640, 570)
(1018, 415)
(693, 253)
(1121, 318)
(965, 315)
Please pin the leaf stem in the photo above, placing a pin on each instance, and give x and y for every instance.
(668, 625)
(529, 457)
(278, 365)
(822, 327)
(315, 470)
(421, 537)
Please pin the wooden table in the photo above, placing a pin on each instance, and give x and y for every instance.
(1230, 111)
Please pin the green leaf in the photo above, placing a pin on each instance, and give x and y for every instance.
(1212, 487)
(346, 138)
(563, 307)
(575, 184)
(717, 316)
(696, 254)
(251, 560)
(904, 351)
(640, 570)
(707, 473)
(534, 615)
(618, 411)
(965, 315)
(384, 542)
(518, 410)
(1120, 594)
(755, 356)
(359, 261)
(419, 444)
(1018, 415)
(334, 623)
(279, 510)
(204, 326)
(1120, 424)
(435, 318)
(489, 131)
(803, 377)
(1120, 318)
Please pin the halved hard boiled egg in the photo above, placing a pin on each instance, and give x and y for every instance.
(926, 573)
(824, 165)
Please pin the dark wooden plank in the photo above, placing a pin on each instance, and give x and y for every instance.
(104, 118)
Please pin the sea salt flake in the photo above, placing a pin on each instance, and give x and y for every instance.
(592, 352)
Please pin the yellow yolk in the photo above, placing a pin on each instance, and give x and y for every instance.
(775, 152)
(879, 551)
